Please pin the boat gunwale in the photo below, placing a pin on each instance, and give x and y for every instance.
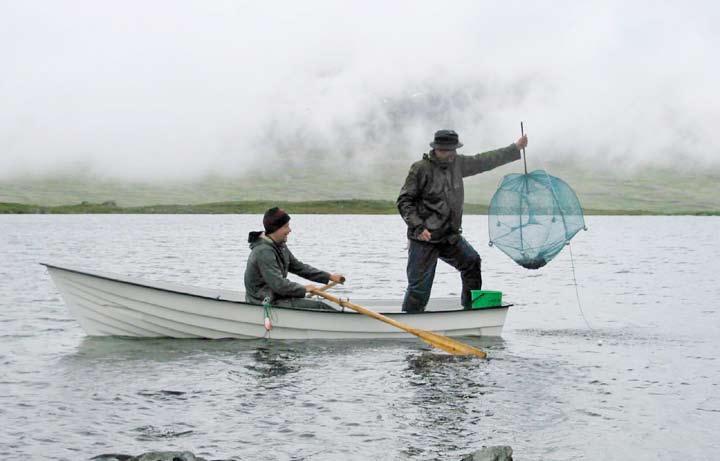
(244, 303)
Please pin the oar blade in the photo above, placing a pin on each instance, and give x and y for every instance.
(448, 344)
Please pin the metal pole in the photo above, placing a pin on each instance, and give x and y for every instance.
(520, 209)
(522, 133)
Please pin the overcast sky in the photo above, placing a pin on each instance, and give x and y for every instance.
(178, 89)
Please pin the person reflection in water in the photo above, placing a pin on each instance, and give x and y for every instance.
(270, 262)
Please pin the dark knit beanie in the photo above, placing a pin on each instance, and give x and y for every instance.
(274, 219)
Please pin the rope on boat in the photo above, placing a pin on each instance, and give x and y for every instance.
(269, 316)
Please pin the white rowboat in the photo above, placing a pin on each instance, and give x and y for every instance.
(107, 304)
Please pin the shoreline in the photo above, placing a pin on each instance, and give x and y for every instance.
(351, 206)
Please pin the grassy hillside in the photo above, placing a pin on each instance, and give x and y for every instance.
(258, 207)
(245, 207)
(655, 191)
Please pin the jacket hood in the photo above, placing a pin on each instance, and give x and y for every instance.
(257, 238)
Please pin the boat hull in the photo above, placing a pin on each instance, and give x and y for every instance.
(113, 305)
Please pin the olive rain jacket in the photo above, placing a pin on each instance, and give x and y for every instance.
(433, 194)
(267, 270)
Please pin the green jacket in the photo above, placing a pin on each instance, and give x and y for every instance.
(267, 270)
(433, 194)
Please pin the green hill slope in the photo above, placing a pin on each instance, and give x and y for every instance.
(656, 191)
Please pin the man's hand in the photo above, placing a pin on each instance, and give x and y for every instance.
(337, 278)
(522, 142)
(310, 288)
(425, 235)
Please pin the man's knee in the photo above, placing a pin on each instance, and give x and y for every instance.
(470, 262)
(476, 262)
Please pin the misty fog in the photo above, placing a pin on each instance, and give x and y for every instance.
(181, 89)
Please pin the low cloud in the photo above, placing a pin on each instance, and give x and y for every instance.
(179, 89)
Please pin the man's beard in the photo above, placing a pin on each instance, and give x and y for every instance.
(445, 162)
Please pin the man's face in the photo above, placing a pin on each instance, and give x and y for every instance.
(281, 235)
(445, 154)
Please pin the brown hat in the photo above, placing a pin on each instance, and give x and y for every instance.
(274, 219)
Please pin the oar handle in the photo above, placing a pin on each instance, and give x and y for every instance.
(327, 286)
(363, 310)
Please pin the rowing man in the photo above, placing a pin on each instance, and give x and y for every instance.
(270, 262)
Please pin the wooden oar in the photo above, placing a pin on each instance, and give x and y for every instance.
(329, 285)
(441, 342)
(322, 288)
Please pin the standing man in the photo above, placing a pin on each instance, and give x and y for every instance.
(270, 261)
(431, 204)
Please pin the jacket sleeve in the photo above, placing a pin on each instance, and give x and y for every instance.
(474, 164)
(273, 276)
(306, 271)
(407, 202)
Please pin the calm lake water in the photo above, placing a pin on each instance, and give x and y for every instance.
(636, 377)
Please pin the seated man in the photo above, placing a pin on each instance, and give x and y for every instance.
(269, 263)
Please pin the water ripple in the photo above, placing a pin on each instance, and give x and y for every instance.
(643, 377)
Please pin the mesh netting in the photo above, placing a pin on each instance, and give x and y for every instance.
(532, 216)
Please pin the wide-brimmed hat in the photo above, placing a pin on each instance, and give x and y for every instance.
(446, 139)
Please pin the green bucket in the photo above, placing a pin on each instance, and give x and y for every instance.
(485, 298)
